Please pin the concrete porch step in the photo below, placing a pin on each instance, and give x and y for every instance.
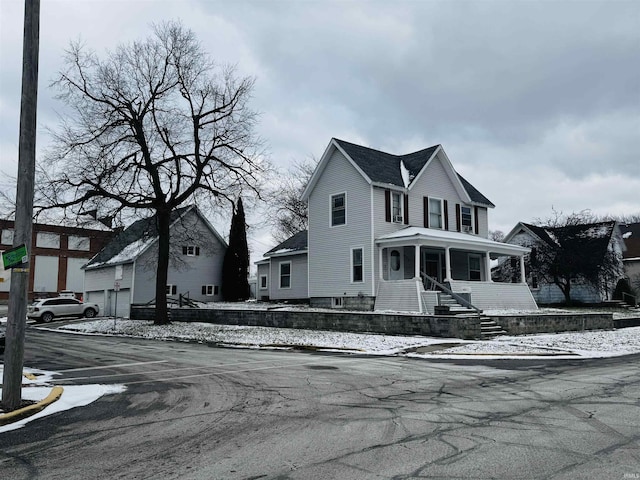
(489, 328)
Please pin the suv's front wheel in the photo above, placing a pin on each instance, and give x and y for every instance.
(89, 313)
(46, 317)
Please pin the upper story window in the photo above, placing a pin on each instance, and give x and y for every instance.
(435, 213)
(357, 274)
(76, 242)
(396, 207)
(338, 209)
(7, 237)
(47, 240)
(466, 219)
(191, 251)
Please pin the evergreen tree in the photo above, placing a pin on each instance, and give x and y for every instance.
(235, 269)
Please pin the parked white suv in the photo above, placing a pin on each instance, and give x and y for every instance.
(46, 309)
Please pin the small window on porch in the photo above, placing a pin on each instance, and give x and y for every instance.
(474, 268)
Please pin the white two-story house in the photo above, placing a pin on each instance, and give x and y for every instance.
(393, 232)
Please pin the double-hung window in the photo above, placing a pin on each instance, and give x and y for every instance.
(435, 213)
(263, 282)
(338, 209)
(466, 219)
(191, 250)
(285, 275)
(357, 274)
(396, 207)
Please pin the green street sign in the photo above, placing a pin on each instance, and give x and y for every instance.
(15, 257)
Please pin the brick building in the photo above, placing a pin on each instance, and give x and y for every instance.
(57, 254)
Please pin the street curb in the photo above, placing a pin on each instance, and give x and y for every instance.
(19, 414)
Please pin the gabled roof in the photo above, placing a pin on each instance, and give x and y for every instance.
(631, 236)
(292, 245)
(137, 238)
(395, 170)
(595, 237)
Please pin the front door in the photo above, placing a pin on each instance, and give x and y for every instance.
(396, 264)
(432, 266)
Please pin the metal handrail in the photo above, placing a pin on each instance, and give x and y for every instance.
(462, 301)
(633, 299)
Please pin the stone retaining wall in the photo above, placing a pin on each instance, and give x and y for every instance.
(545, 323)
(363, 322)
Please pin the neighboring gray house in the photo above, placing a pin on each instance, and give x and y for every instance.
(631, 258)
(124, 271)
(591, 240)
(283, 273)
(387, 232)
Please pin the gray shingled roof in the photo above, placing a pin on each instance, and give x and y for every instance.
(384, 167)
(144, 229)
(295, 243)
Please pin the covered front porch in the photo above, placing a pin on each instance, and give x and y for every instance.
(419, 267)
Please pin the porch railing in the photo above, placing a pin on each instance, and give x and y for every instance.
(431, 283)
(629, 299)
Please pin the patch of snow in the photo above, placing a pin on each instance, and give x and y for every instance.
(128, 253)
(72, 396)
(405, 174)
(626, 235)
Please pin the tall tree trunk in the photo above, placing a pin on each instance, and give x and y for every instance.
(164, 220)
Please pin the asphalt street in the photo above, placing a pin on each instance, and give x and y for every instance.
(196, 412)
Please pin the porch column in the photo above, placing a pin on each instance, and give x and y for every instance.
(523, 277)
(447, 264)
(417, 262)
(381, 262)
(488, 267)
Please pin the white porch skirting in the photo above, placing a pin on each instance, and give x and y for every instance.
(497, 296)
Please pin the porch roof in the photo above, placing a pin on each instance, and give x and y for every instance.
(442, 239)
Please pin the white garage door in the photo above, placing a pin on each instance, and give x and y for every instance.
(119, 303)
(96, 297)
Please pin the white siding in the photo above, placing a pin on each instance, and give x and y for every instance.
(263, 270)
(188, 273)
(299, 278)
(497, 296)
(46, 274)
(5, 277)
(330, 247)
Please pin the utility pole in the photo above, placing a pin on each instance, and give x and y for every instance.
(14, 348)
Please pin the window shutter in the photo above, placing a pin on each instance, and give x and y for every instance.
(387, 205)
(425, 208)
(446, 214)
(458, 217)
(184, 250)
(406, 209)
(477, 222)
(197, 251)
(204, 289)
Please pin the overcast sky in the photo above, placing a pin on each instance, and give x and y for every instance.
(536, 103)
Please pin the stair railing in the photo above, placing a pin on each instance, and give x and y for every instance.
(430, 281)
(632, 301)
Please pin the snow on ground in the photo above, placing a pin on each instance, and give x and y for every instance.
(595, 343)
(38, 386)
(587, 344)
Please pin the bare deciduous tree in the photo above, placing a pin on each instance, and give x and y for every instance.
(287, 213)
(151, 126)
